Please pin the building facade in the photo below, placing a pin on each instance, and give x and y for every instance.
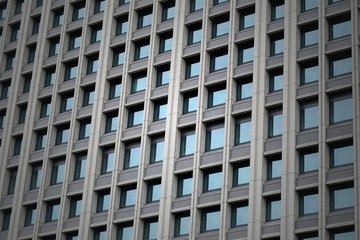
(194, 119)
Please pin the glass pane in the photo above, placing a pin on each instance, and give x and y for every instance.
(144, 51)
(194, 69)
(341, 66)
(310, 74)
(134, 156)
(344, 236)
(278, 46)
(309, 4)
(110, 162)
(156, 192)
(55, 212)
(220, 62)
(130, 197)
(276, 125)
(217, 138)
(245, 132)
(184, 227)
(341, 110)
(106, 202)
(310, 117)
(310, 203)
(127, 233)
(243, 175)
(190, 144)
(147, 20)
(138, 117)
(343, 155)
(82, 168)
(221, 28)
(140, 84)
(246, 90)
(310, 162)
(153, 227)
(212, 220)
(60, 173)
(167, 45)
(276, 82)
(165, 77)
(340, 29)
(310, 37)
(247, 55)
(162, 111)
(241, 215)
(275, 169)
(159, 155)
(78, 207)
(278, 11)
(214, 181)
(247, 20)
(186, 186)
(218, 97)
(191, 104)
(196, 36)
(343, 198)
(275, 212)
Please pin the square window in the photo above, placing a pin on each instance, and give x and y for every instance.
(57, 172)
(242, 131)
(309, 72)
(62, 134)
(190, 102)
(210, 219)
(165, 43)
(341, 197)
(122, 2)
(340, 109)
(220, 26)
(10, 60)
(274, 167)
(95, 34)
(212, 180)
(30, 215)
(121, 25)
(247, 18)
(194, 34)
(168, 10)
(157, 150)
(187, 143)
(216, 96)
(344, 234)
(132, 155)
(118, 56)
(125, 231)
(150, 229)
(12, 181)
(184, 186)
(72, 236)
(276, 44)
(88, 97)
(309, 160)
(74, 40)
(80, 167)
(36, 25)
(273, 209)
(40, 139)
(275, 123)
(39, 3)
(52, 211)
(216, 2)
(144, 18)
(163, 76)
(160, 110)
(45, 108)
(128, 196)
(67, 101)
(99, 6)
(153, 191)
(54, 46)
(107, 161)
(103, 201)
(6, 219)
(244, 88)
(310, 236)
(309, 116)
(111, 122)
(92, 64)
(308, 5)
(339, 27)
(277, 9)
(308, 203)
(35, 178)
(84, 130)
(192, 68)
(218, 60)
(115, 89)
(136, 116)
(239, 215)
(340, 65)
(341, 154)
(241, 174)
(214, 137)
(58, 18)
(70, 71)
(75, 206)
(100, 233)
(141, 50)
(246, 53)
(196, 5)
(78, 10)
(182, 224)
(309, 36)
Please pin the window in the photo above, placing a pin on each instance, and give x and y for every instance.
(247, 18)
(309, 116)
(168, 11)
(308, 5)
(276, 44)
(141, 50)
(219, 1)
(246, 53)
(92, 65)
(5, 89)
(165, 43)
(118, 56)
(275, 123)
(340, 109)
(39, 3)
(309, 35)
(2, 119)
(78, 10)
(14, 32)
(121, 25)
(212, 180)
(125, 231)
(17, 145)
(184, 186)
(70, 71)
(157, 150)
(218, 60)
(100, 233)
(22, 113)
(62, 134)
(84, 131)
(273, 209)
(341, 197)
(107, 162)
(277, 9)
(45, 107)
(99, 6)
(35, 178)
(6, 220)
(75, 206)
(216, 95)
(1, 32)
(52, 211)
(341, 154)
(239, 215)
(27, 83)
(138, 82)
(241, 174)
(309, 160)
(128, 196)
(196, 5)
(49, 77)
(309, 72)
(30, 214)
(54, 46)
(192, 67)
(220, 26)
(58, 17)
(74, 40)
(88, 97)
(339, 65)
(345, 234)
(122, 2)
(72, 236)
(12, 181)
(40, 139)
(150, 229)
(144, 18)
(103, 201)
(135, 116)
(57, 172)
(132, 155)
(80, 167)
(210, 219)
(194, 33)
(187, 144)
(19, 6)
(190, 102)
(66, 103)
(3, 10)
(310, 236)
(115, 89)
(163, 76)
(36, 25)
(182, 224)
(339, 27)
(273, 167)
(95, 34)
(214, 137)
(160, 109)
(10, 60)
(308, 203)
(242, 130)
(31, 53)
(153, 191)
